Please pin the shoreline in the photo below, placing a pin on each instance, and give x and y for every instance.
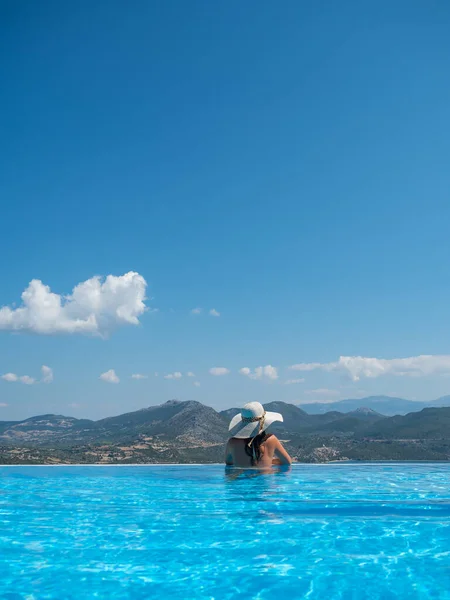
(303, 464)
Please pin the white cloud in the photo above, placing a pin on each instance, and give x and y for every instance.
(47, 374)
(359, 366)
(196, 311)
(267, 372)
(293, 381)
(47, 377)
(309, 366)
(214, 313)
(95, 307)
(217, 371)
(190, 374)
(74, 405)
(245, 371)
(139, 376)
(110, 376)
(197, 383)
(156, 374)
(3, 404)
(176, 375)
(10, 377)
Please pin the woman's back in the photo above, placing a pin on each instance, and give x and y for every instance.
(259, 453)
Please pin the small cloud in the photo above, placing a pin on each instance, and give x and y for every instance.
(109, 376)
(139, 376)
(196, 311)
(176, 375)
(293, 381)
(311, 366)
(10, 377)
(214, 313)
(190, 374)
(47, 374)
(197, 383)
(73, 405)
(217, 371)
(267, 372)
(3, 404)
(156, 374)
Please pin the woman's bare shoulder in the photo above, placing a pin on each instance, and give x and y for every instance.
(272, 440)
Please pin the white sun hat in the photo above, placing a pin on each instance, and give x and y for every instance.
(252, 419)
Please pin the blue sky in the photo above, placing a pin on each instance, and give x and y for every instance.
(285, 165)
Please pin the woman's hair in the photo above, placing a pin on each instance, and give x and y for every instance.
(254, 450)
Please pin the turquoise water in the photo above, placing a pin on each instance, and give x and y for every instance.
(196, 532)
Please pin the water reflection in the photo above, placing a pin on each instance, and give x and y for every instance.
(233, 473)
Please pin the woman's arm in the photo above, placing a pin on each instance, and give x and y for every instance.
(228, 455)
(282, 457)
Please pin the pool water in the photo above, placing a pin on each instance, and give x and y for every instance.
(347, 531)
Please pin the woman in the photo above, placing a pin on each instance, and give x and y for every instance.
(250, 445)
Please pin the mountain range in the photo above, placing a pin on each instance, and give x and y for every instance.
(192, 432)
(387, 405)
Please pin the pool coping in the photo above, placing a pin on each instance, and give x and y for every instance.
(340, 463)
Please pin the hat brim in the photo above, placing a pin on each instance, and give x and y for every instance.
(241, 430)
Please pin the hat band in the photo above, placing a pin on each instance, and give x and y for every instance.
(253, 419)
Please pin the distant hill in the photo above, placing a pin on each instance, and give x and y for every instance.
(352, 422)
(192, 432)
(189, 420)
(228, 414)
(344, 425)
(385, 405)
(366, 414)
(428, 423)
(295, 419)
(45, 429)
(440, 402)
(186, 421)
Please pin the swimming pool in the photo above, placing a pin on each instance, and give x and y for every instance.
(347, 531)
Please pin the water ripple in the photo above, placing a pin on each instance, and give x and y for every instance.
(319, 532)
